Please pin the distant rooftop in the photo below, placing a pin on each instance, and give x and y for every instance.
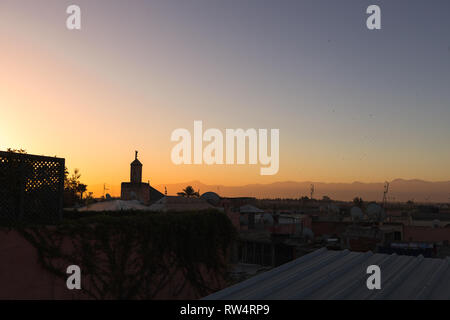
(338, 275)
(176, 203)
(250, 209)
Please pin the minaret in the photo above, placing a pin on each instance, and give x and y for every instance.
(136, 170)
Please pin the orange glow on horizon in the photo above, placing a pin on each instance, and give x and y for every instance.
(77, 104)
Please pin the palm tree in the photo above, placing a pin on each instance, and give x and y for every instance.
(189, 192)
(81, 188)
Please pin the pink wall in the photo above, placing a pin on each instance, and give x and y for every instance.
(23, 277)
(320, 228)
(235, 218)
(307, 222)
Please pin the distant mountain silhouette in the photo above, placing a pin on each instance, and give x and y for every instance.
(400, 190)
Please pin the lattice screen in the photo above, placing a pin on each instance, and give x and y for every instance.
(31, 187)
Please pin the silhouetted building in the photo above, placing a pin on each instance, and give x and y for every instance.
(136, 189)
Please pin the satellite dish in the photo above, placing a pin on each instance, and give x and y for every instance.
(436, 223)
(356, 213)
(267, 218)
(211, 197)
(307, 233)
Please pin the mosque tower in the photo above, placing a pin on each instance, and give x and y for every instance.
(136, 189)
(136, 170)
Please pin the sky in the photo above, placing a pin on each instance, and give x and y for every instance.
(351, 104)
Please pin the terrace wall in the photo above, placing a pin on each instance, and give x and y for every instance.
(23, 277)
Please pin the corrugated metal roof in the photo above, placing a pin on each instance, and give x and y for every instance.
(325, 274)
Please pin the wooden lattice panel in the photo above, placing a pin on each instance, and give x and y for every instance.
(31, 187)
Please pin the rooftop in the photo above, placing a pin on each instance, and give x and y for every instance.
(338, 275)
(176, 203)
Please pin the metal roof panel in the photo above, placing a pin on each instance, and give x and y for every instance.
(325, 274)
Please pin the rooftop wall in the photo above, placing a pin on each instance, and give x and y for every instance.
(23, 275)
(425, 234)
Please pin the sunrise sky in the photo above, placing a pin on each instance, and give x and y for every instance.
(351, 104)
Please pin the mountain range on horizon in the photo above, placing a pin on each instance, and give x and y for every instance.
(400, 190)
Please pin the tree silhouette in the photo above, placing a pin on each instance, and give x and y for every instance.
(81, 188)
(189, 192)
(73, 187)
(21, 151)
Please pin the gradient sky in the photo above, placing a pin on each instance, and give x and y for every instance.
(351, 104)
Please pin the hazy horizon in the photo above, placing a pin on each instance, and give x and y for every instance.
(401, 190)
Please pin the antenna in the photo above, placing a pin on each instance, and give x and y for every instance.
(165, 191)
(312, 191)
(385, 193)
(104, 190)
